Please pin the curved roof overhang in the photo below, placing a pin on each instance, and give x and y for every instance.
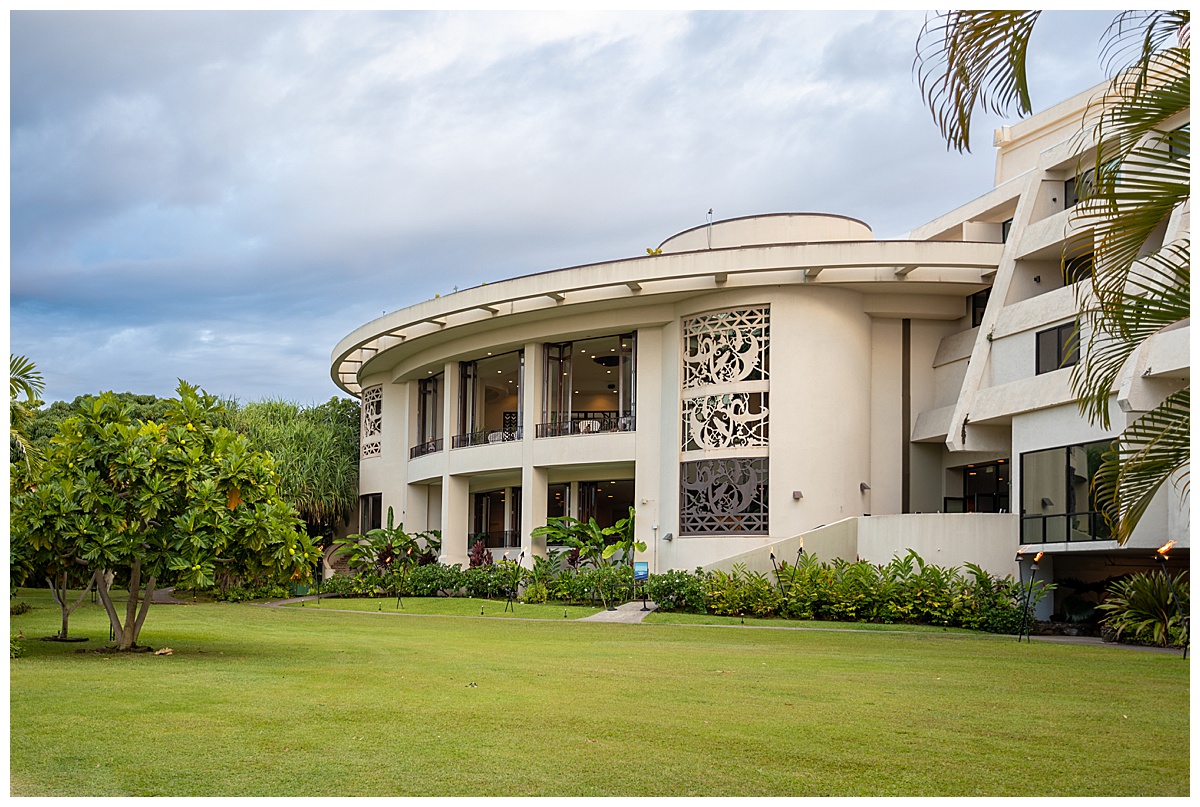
(884, 264)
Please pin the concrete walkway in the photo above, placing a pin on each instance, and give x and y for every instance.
(162, 596)
(630, 613)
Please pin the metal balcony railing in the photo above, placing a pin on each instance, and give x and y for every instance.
(596, 422)
(428, 447)
(485, 437)
(498, 539)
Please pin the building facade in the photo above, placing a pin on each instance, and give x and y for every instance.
(771, 381)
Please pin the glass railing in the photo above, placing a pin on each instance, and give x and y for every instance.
(1065, 528)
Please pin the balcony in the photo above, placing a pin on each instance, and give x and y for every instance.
(593, 422)
(1088, 525)
(428, 447)
(485, 437)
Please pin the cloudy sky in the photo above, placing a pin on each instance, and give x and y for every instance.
(221, 197)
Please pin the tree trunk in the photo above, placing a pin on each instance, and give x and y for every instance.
(128, 632)
(125, 639)
(104, 583)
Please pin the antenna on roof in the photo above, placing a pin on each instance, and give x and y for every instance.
(710, 228)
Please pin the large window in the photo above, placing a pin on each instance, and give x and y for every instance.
(369, 515)
(985, 489)
(590, 386)
(490, 400)
(496, 518)
(608, 502)
(1057, 348)
(1056, 495)
(429, 416)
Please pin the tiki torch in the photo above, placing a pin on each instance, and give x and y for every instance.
(1161, 555)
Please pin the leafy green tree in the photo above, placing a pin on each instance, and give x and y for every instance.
(1140, 183)
(316, 455)
(46, 421)
(147, 501)
(587, 538)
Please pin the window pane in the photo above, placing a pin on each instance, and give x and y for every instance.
(1047, 351)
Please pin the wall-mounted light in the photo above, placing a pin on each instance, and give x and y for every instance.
(670, 536)
(1046, 502)
(1037, 278)
(797, 494)
(863, 487)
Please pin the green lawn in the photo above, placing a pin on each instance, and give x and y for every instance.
(320, 702)
(451, 606)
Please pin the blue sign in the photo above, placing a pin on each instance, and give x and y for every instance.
(641, 570)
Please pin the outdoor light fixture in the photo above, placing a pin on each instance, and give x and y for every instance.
(1027, 626)
(1046, 502)
(864, 487)
(797, 495)
(1160, 555)
(670, 536)
(777, 579)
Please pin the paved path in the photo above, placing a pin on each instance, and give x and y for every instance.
(630, 612)
(162, 596)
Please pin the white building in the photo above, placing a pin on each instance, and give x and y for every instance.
(772, 380)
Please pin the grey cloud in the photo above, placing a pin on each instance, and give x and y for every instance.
(238, 191)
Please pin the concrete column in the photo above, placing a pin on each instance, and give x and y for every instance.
(648, 448)
(532, 383)
(416, 508)
(534, 485)
(456, 513)
(450, 403)
(573, 502)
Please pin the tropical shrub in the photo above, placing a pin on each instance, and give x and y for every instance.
(568, 585)
(536, 593)
(433, 580)
(483, 581)
(243, 591)
(14, 648)
(677, 591)
(479, 555)
(1141, 608)
(18, 608)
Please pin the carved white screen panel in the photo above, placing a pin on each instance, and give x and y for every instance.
(731, 420)
(721, 497)
(371, 429)
(725, 347)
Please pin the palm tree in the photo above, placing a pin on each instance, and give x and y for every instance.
(1136, 191)
(23, 379)
(315, 450)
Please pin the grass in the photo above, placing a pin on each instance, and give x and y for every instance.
(673, 618)
(311, 701)
(451, 606)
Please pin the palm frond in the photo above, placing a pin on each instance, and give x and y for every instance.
(973, 58)
(1156, 296)
(24, 379)
(1152, 450)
